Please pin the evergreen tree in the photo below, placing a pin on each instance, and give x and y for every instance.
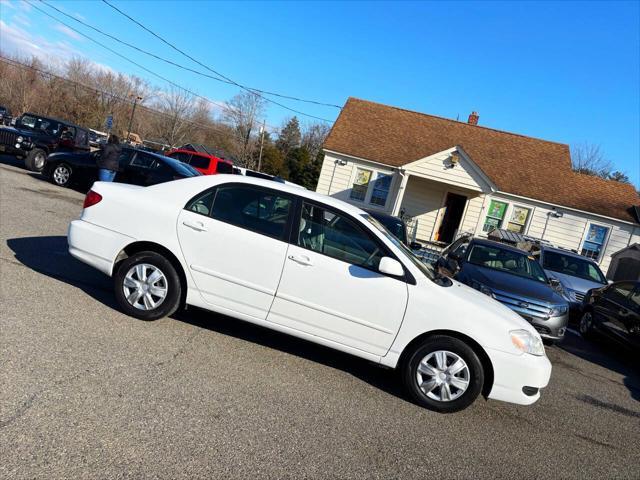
(290, 137)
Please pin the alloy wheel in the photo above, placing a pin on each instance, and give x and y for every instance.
(39, 161)
(443, 376)
(61, 174)
(585, 323)
(145, 286)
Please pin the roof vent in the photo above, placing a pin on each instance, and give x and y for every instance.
(473, 118)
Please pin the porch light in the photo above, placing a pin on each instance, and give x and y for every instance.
(454, 159)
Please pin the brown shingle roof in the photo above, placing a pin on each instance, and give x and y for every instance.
(516, 164)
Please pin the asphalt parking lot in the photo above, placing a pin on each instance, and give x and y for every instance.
(87, 392)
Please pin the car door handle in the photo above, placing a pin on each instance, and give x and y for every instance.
(197, 226)
(301, 259)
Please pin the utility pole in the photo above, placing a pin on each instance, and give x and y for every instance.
(133, 111)
(261, 143)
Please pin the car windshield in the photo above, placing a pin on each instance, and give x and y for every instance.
(393, 225)
(573, 266)
(42, 124)
(508, 261)
(427, 270)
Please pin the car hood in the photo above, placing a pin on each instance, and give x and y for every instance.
(570, 282)
(26, 132)
(509, 283)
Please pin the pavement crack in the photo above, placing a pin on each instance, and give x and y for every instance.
(22, 409)
(178, 352)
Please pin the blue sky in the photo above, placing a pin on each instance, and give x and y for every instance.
(566, 71)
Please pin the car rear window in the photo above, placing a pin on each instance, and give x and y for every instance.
(224, 167)
(200, 162)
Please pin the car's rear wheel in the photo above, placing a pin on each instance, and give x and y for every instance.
(443, 374)
(585, 326)
(35, 160)
(147, 286)
(61, 175)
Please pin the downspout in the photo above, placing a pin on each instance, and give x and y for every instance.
(336, 162)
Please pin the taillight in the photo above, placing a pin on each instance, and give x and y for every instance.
(91, 199)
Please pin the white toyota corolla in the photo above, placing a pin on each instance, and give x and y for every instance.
(310, 266)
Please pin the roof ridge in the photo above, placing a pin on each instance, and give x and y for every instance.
(457, 122)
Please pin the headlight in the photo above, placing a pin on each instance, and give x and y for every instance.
(19, 139)
(482, 288)
(557, 311)
(527, 342)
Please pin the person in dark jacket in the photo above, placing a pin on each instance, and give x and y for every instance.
(108, 161)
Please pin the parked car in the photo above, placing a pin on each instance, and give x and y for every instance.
(512, 277)
(137, 167)
(203, 162)
(396, 226)
(575, 273)
(613, 311)
(34, 137)
(313, 267)
(97, 138)
(5, 116)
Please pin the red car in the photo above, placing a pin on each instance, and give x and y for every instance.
(205, 163)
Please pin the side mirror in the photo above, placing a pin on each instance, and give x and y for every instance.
(415, 246)
(390, 266)
(554, 282)
(609, 282)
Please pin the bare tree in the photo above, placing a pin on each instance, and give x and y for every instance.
(588, 158)
(313, 136)
(173, 127)
(243, 113)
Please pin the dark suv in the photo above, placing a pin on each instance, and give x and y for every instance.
(512, 277)
(34, 137)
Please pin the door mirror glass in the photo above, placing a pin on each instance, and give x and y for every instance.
(390, 266)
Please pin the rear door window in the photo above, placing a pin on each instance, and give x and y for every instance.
(181, 156)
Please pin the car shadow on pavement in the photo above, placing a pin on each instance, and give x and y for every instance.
(379, 377)
(50, 256)
(603, 353)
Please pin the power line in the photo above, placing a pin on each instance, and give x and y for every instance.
(178, 65)
(15, 63)
(255, 92)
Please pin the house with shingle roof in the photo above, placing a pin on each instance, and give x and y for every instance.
(450, 177)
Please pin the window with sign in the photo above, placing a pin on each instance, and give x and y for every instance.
(495, 215)
(518, 220)
(381, 187)
(593, 244)
(360, 185)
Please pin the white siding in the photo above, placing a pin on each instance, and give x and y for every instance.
(334, 178)
(422, 201)
(569, 230)
(438, 167)
(472, 214)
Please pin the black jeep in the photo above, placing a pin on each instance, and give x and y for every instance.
(34, 137)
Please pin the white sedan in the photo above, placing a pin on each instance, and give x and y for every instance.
(313, 267)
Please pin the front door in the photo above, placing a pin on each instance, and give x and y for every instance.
(331, 288)
(454, 208)
(233, 240)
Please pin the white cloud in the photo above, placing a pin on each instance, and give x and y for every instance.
(7, 4)
(81, 17)
(67, 31)
(21, 19)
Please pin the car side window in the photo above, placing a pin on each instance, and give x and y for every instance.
(460, 250)
(202, 203)
(619, 292)
(199, 162)
(143, 160)
(326, 232)
(181, 156)
(251, 208)
(125, 157)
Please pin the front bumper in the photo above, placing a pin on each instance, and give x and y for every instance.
(518, 378)
(12, 150)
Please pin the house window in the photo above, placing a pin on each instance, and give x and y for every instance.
(518, 221)
(380, 192)
(593, 244)
(360, 185)
(494, 216)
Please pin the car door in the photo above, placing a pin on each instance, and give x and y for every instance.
(330, 285)
(233, 238)
(612, 310)
(140, 169)
(632, 321)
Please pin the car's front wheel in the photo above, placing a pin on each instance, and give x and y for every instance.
(61, 175)
(147, 286)
(35, 160)
(443, 374)
(586, 325)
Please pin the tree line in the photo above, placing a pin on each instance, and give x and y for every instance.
(83, 93)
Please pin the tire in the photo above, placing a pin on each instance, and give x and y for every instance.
(585, 325)
(149, 305)
(431, 374)
(35, 160)
(61, 175)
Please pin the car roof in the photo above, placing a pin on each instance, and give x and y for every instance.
(566, 252)
(504, 246)
(379, 214)
(59, 120)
